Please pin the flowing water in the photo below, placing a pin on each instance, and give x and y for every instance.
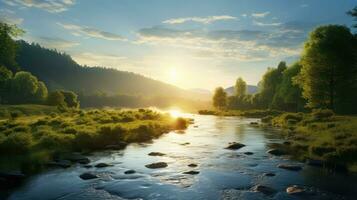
(224, 174)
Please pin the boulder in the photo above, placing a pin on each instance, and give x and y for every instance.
(192, 172)
(269, 174)
(192, 165)
(101, 165)
(156, 154)
(295, 190)
(156, 165)
(276, 152)
(235, 146)
(290, 167)
(131, 171)
(264, 189)
(87, 176)
(248, 153)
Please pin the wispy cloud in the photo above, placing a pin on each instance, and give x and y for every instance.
(8, 16)
(203, 20)
(260, 15)
(266, 24)
(53, 6)
(91, 32)
(53, 42)
(243, 45)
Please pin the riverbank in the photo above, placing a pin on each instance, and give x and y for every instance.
(320, 136)
(32, 136)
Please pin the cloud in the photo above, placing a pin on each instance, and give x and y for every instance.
(266, 24)
(243, 45)
(93, 59)
(8, 17)
(260, 15)
(91, 32)
(53, 6)
(54, 42)
(203, 20)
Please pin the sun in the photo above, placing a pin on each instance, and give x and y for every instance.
(175, 113)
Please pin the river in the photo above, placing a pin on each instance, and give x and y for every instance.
(223, 173)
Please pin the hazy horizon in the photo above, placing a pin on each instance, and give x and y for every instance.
(201, 44)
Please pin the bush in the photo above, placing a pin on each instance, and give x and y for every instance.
(180, 124)
(17, 143)
(56, 141)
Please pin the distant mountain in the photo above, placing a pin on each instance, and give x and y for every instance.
(251, 89)
(59, 71)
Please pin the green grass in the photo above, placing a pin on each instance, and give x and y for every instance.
(243, 113)
(39, 132)
(320, 135)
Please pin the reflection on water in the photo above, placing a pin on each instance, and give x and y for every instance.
(224, 174)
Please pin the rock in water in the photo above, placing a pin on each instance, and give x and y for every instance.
(269, 174)
(295, 190)
(156, 165)
(192, 172)
(101, 165)
(264, 189)
(76, 157)
(60, 163)
(248, 153)
(290, 167)
(131, 171)
(276, 152)
(87, 176)
(192, 165)
(235, 146)
(156, 154)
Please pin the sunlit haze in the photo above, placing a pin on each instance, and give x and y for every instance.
(201, 44)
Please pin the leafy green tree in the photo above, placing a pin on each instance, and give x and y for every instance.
(289, 95)
(220, 98)
(240, 87)
(56, 98)
(353, 13)
(23, 87)
(71, 99)
(329, 70)
(5, 78)
(8, 46)
(269, 85)
(41, 93)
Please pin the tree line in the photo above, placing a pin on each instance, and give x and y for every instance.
(21, 87)
(324, 77)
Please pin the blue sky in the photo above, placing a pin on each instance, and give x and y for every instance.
(191, 44)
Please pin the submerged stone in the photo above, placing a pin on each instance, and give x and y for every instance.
(87, 176)
(101, 165)
(156, 154)
(264, 189)
(192, 172)
(295, 190)
(269, 174)
(156, 165)
(248, 153)
(290, 167)
(60, 163)
(235, 146)
(276, 152)
(192, 165)
(131, 171)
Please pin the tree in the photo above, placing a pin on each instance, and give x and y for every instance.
(289, 95)
(41, 93)
(220, 98)
(56, 98)
(8, 46)
(71, 99)
(269, 85)
(328, 73)
(23, 87)
(5, 78)
(240, 87)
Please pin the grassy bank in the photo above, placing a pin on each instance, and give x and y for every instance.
(31, 135)
(319, 135)
(242, 113)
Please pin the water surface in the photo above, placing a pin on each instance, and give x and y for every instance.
(224, 174)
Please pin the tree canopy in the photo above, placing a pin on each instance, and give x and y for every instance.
(220, 98)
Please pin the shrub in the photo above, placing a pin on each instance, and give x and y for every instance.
(180, 124)
(15, 114)
(56, 141)
(17, 142)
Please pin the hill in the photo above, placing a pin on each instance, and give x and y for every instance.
(59, 71)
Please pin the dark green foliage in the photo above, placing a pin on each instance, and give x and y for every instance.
(321, 114)
(71, 99)
(329, 69)
(220, 98)
(8, 46)
(55, 98)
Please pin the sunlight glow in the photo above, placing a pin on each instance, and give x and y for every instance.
(175, 113)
